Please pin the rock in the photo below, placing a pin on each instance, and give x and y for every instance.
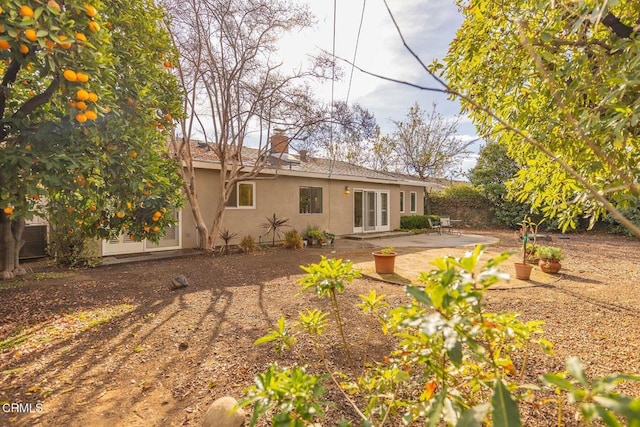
(179, 282)
(221, 414)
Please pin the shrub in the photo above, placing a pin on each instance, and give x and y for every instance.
(248, 244)
(416, 222)
(292, 240)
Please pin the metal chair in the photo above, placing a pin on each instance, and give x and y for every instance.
(433, 226)
(445, 222)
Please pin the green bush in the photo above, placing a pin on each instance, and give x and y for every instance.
(416, 222)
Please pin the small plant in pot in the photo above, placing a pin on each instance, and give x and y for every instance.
(550, 257)
(523, 269)
(385, 260)
(314, 236)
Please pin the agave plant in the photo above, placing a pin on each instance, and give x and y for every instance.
(273, 226)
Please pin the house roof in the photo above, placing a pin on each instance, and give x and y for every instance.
(297, 165)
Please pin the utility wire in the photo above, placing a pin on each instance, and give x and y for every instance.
(355, 51)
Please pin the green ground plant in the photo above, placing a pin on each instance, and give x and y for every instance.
(454, 363)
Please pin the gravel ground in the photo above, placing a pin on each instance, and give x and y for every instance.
(114, 346)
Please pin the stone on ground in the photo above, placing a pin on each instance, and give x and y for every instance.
(221, 414)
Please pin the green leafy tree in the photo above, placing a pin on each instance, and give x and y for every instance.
(492, 171)
(565, 104)
(84, 98)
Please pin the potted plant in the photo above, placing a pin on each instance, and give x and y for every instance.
(385, 260)
(523, 269)
(328, 237)
(314, 236)
(550, 257)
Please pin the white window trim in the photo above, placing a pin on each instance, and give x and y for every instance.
(413, 206)
(253, 188)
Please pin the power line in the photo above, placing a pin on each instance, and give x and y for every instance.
(355, 51)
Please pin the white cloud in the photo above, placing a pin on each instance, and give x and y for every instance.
(428, 27)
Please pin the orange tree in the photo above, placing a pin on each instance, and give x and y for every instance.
(85, 104)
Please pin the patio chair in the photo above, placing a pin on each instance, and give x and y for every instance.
(445, 222)
(436, 227)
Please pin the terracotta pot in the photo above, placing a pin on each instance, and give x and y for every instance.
(523, 270)
(549, 265)
(385, 263)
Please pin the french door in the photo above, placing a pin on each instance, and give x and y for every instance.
(370, 211)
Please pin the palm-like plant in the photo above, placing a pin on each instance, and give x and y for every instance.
(273, 226)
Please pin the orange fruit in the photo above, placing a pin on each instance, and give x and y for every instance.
(49, 44)
(146, 228)
(133, 154)
(81, 37)
(81, 117)
(120, 214)
(24, 49)
(90, 10)
(81, 105)
(93, 97)
(91, 115)
(26, 11)
(31, 34)
(4, 45)
(82, 95)
(71, 210)
(92, 208)
(168, 64)
(82, 77)
(8, 210)
(53, 4)
(72, 104)
(156, 229)
(62, 38)
(94, 27)
(70, 75)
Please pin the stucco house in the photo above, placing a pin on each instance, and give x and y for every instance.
(336, 196)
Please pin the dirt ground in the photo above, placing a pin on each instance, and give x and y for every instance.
(115, 346)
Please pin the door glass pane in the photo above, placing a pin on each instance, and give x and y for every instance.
(370, 200)
(357, 209)
(384, 209)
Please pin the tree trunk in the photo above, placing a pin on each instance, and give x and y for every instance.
(19, 242)
(8, 258)
(218, 219)
(201, 226)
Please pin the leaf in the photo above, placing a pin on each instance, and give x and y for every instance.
(474, 416)
(574, 367)
(419, 294)
(505, 410)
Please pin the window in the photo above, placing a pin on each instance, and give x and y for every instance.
(413, 201)
(310, 200)
(242, 196)
(402, 202)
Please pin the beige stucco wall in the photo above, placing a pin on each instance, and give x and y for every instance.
(281, 196)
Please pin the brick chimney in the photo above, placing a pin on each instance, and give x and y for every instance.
(279, 142)
(303, 155)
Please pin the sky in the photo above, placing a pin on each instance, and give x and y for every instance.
(428, 27)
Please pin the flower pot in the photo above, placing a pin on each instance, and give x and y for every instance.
(549, 265)
(385, 263)
(523, 270)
